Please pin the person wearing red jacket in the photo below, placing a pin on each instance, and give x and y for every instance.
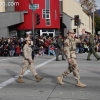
(51, 50)
(18, 50)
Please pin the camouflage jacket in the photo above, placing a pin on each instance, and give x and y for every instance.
(27, 52)
(70, 47)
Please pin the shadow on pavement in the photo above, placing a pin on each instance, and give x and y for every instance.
(10, 72)
(15, 63)
(13, 74)
(45, 75)
(95, 72)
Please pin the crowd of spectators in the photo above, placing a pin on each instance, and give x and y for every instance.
(13, 46)
(44, 45)
(84, 47)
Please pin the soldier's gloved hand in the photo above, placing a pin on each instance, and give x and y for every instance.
(69, 60)
(31, 61)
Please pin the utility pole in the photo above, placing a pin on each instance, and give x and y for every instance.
(31, 3)
(33, 26)
(77, 23)
(77, 31)
(93, 17)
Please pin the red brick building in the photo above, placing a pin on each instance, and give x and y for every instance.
(49, 11)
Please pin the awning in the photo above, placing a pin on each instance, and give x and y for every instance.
(63, 25)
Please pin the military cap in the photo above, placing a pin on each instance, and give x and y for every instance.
(71, 31)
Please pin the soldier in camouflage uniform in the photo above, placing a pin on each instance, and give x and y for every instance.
(28, 62)
(70, 52)
(92, 48)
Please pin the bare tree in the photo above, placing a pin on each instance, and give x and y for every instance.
(88, 6)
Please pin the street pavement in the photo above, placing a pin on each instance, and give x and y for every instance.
(48, 88)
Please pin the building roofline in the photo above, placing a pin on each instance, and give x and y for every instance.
(68, 15)
(25, 11)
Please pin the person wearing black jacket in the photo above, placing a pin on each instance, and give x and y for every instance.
(60, 48)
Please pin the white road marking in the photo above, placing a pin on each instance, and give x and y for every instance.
(3, 84)
(7, 59)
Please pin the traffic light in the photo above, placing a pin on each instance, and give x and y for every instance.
(74, 30)
(37, 19)
(76, 20)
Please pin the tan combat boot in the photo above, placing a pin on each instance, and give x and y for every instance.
(60, 78)
(80, 84)
(38, 78)
(19, 80)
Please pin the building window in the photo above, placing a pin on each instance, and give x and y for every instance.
(46, 12)
(43, 13)
(47, 21)
(46, 15)
(37, 6)
(47, 4)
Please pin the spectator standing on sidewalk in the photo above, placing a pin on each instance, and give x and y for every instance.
(51, 50)
(59, 48)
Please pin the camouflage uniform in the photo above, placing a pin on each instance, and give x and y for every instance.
(70, 52)
(92, 48)
(27, 51)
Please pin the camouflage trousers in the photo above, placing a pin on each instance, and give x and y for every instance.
(28, 65)
(73, 67)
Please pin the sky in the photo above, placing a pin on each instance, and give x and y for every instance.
(97, 3)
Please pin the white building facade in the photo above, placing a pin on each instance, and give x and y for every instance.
(71, 8)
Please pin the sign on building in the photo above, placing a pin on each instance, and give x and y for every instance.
(34, 6)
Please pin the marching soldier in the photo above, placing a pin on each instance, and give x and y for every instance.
(92, 48)
(59, 48)
(70, 52)
(28, 34)
(28, 62)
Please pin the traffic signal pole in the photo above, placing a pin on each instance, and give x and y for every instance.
(77, 31)
(93, 19)
(31, 2)
(77, 23)
(33, 26)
